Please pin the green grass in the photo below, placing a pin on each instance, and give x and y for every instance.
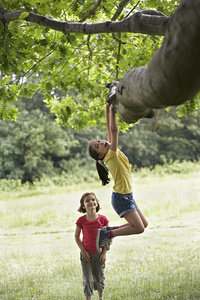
(40, 260)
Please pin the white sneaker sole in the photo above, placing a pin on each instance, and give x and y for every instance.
(97, 241)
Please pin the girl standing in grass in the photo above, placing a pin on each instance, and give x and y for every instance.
(122, 197)
(93, 263)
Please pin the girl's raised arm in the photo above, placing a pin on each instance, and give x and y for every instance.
(108, 121)
(113, 129)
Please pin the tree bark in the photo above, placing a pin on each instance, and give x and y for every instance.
(173, 74)
(146, 22)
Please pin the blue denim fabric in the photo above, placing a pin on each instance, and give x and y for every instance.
(123, 203)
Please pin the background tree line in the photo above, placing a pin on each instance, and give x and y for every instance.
(35, 145)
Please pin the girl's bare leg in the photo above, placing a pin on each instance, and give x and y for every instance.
(136, 224)
(144, 220)
(88, 297)
(100, 295)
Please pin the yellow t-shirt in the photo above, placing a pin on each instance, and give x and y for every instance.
(120, 168)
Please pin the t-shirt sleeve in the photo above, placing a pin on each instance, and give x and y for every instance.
(104, 220)
(79, 222)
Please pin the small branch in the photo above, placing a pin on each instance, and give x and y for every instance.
(119, 10)
(117, 39)
(132, 10)
(36, 64)
(89, 49)
(91, 11)
(118, 56)
(116, 15)
(2, 12)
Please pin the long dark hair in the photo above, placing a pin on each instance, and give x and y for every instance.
(100, 166)
(81, 208)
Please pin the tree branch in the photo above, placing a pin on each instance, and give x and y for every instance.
(137, 23)
(88, 46)
(173, 74)
(91, 12)
(119, 10)
(118, 56)
(130, 12)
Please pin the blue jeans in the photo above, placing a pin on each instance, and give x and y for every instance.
(123, 203)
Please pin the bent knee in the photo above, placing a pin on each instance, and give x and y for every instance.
(146, 224)
(144, 227)
(141, 230)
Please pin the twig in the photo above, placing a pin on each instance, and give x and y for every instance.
(119, 10)
(91, 11)
(118, 56)
(132, 10)
(88, 45)
(117, 39)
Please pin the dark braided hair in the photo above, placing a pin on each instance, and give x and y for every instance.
(100, 166)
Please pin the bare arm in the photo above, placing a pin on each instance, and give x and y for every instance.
(114, 130)
(85, 254)
(108, 121)
(103, 256)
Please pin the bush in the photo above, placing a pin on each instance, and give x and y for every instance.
(79, 175)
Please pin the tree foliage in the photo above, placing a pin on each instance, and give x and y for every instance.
(77, 64)
(34, 147)
(57, 56)
(164, 140)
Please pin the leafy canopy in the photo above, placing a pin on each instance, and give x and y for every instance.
(70, 70)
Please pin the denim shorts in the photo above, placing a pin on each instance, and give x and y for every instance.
(123, 203)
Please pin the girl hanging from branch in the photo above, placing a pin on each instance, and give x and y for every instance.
(109, 158)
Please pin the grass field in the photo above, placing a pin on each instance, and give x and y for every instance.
(40, 260)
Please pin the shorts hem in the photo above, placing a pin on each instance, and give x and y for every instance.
(127, 211)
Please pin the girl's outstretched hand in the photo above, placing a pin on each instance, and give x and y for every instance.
(85, 256)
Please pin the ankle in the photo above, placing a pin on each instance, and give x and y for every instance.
(111, 234)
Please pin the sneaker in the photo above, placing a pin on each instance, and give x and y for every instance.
(109, 228)
(108, 242)
(103, 239)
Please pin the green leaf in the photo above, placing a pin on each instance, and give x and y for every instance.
(23, 15)
(5, 80)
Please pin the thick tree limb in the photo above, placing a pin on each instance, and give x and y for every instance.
(173, 74)
(138, 23)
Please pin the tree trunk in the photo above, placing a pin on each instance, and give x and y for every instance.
(173, 74)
